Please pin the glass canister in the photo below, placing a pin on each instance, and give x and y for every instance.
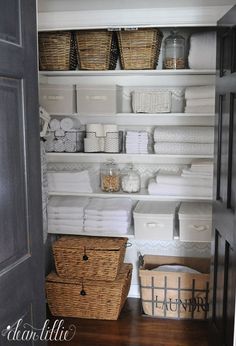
(130, 180)
(174, 54)
(110, 177)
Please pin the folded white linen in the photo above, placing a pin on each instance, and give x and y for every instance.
(109, 206)
(190, 134)
(106, 224)
(200, 92)
(200, 109)
(183, 148)
(200, 102)
(205, 43)
(92, 217)
(202, 165)
(180, 180)
(67, 204)
(187, 172)
(65, 216)
(61, 187)
(178, 190)
(65, 222)
(106, 231)
(65, 228)
(72, 176)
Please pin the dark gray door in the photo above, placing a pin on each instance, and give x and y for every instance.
(224, 214)
(21, 245)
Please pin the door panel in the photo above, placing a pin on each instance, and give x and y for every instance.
(21, 238)
(224, 217)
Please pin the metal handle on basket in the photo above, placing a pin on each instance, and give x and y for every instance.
(82, 292)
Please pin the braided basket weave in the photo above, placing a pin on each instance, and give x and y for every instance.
(57, 51)
(96, 49)
(140, 49)
(88, 298)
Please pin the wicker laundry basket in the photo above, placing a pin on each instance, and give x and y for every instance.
(140, 49)
(57, 51)
(96, 49)
(88, 298)
(97, 258)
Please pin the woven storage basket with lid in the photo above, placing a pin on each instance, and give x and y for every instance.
(97, 258)
(140, 49)
(96, 49)
(57, 51)
(88, 298)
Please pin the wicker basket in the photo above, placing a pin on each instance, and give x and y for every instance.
(140, 49)
(88, 298)
(57, 51)
(97, 258)
(96, 49)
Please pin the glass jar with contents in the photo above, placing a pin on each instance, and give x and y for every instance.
(110, 177)
(130, 180)
(174, 54)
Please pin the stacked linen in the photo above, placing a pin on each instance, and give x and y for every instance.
(200, 99)
(184, 140)
(202, 52)
(66, 213)
(71, 181)
(138, 142)
(197, 181)
(108, 215)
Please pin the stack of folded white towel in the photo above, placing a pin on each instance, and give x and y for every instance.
(66, 214)
(184, 140)
(72, 181)
(202, 52)
(200, 99)
(108, 215)
(194, 181)
(138, 142)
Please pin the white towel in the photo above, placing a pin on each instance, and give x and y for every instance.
(179, 180)
(200, 102)
(178, 190)
(67, 204)
(190, 134)
(64, 228)
(55, 124)
(68, 123)
(104, 231)
(202, 52)
(110, 206)
(95, 217)
(65, 216)
(200, 92)
(187, 172)
(200, 109)
(162, 148)
(106, 224)
(65, 223)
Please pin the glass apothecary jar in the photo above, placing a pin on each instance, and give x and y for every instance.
(130, 180)
(174, 51)
(110, 177)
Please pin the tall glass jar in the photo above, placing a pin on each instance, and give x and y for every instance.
(130, 180)
(174, 54)
(110, 177)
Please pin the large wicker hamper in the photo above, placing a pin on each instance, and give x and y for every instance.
(97, 258)
(88, 298)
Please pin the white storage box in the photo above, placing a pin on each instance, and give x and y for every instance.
(57, 98)
(154, 220)
(195, 222)
(99, 99)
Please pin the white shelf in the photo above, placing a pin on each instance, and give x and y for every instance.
(123, 158)
(142, 195)
(129, 72)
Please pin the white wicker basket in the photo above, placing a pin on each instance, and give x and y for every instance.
(151, 101)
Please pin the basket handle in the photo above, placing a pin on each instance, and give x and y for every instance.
(82, 292)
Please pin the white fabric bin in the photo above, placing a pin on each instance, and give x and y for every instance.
(99, 99)
(195, 222)
(154, 220)
(57, 98)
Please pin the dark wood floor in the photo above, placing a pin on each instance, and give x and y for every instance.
(133, 329)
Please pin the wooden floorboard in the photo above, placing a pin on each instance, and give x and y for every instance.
(134, 329)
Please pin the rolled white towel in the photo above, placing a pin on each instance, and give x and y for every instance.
(200, 109)
(189, 134)
(177, 179)
(68, 123)
(59, 133)
(184, 148)
(55, 124)
(200, 102)
(205, 43)
(200, 92)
